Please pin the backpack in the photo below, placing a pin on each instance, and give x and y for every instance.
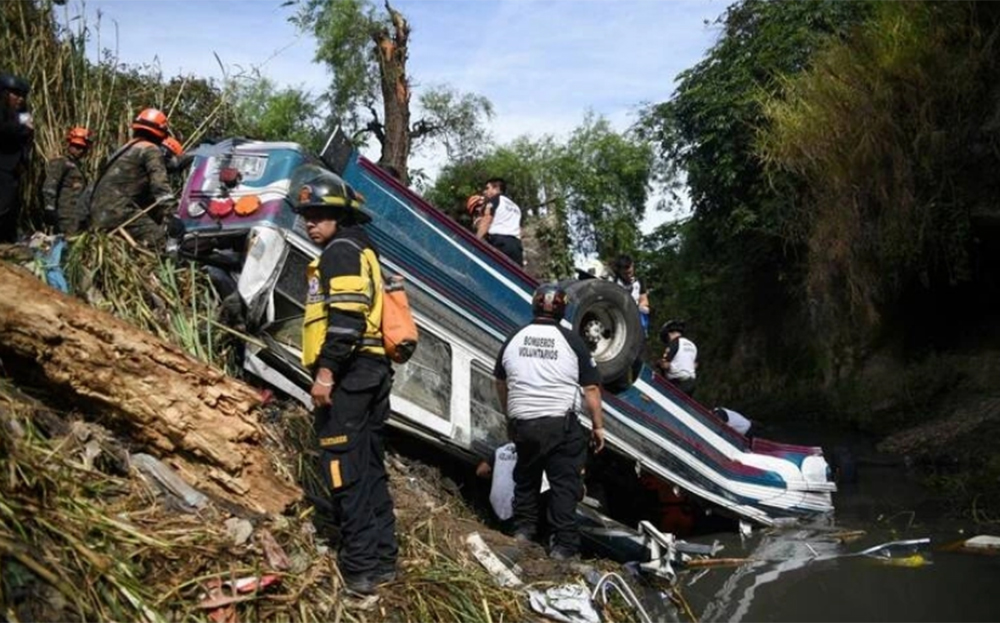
(399, 331)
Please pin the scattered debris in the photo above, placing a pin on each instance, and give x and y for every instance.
(168, 481)
(568, 603)
(276, 557)
(496, 568)
(616, 582)
(848, 536)
(981, 544)
(239, 530)
(223, 595)
(662, 551)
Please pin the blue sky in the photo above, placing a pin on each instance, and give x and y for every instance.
(543, 64)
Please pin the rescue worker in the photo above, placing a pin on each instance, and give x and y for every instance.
(539, 372)
(174, 157)
(500, 224)
(134, 187)
(342, 346)
(16, 135)
(734, 419)
(64, 182)
(625, 277)
(680, 359)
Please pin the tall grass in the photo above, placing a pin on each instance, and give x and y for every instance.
(47, 45)
(89, 542)
(892, 134)
(175, 302)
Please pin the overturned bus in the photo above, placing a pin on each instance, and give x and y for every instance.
(466, 297)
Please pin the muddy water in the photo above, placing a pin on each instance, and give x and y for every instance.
(810, 574)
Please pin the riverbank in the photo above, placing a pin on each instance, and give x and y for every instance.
(938, 416)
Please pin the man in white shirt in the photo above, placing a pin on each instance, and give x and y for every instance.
(680, 360)
(500, 224)
(735, 420)
(625, 277)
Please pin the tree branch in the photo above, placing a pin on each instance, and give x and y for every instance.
(400, 25)
(423, 127)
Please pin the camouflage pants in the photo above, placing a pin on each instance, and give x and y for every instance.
(71, 216)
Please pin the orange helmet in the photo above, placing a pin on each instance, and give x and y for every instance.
(473, 202)
(173, 145)
(151, 120)
(80, 137)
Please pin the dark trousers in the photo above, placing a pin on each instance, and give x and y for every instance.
(685, 385)
(10, 207)
(557, 446)
(509, 246)
(350, 434)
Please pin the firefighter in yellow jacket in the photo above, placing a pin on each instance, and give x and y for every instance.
(352, 377)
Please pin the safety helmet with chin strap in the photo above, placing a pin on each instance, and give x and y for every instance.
(312, 186)
(152, 121)
(549, 301)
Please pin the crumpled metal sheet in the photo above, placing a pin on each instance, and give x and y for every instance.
(568, 603)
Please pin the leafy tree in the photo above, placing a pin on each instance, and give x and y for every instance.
(367, 52)
(528, 166)
(594, 185)
(459, 121)
(261, 110)
(707, 135)
(604, 178)
(892, 136)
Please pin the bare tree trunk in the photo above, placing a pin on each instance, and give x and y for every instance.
(392, 52)
(193, 416)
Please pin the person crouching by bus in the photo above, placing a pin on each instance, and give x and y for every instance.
(500, 223)
(352, 377)
(680, 359)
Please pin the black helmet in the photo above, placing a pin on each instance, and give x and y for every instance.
(668, 326)
(314, 187)
(549, 301)
(14, 84)
(622, 262)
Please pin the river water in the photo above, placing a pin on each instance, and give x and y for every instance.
(809, 573)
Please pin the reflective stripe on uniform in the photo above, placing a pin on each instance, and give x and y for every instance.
(354, 294)
(341, 331)
(348, 298)
(335, 478)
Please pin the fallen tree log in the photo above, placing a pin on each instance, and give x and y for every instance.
(191, 415)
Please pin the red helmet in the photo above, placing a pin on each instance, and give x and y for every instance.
(473, 202)
(173, 145)
(549, 301)
(151, 120)
(80, 137)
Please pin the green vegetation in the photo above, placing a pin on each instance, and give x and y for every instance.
(367, 49)
(840, 258)
(728, 269)
(594, 185)
(892, 135)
